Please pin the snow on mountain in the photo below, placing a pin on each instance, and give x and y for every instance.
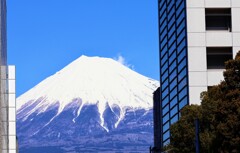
(100, 81)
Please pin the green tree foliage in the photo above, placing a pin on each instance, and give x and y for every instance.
(183, 132)
(219, 116)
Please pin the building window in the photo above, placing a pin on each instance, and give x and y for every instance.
(166, 127)
(166, 135)
(218, 19)
(174, 119)
(217, 56)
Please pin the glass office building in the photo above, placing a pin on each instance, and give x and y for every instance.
(196, 37)
(173, 62)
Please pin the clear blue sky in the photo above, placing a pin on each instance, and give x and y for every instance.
(46, 35)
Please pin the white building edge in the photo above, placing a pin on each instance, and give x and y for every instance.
(12, 136)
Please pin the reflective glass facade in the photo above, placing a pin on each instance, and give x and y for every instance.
(173, 63)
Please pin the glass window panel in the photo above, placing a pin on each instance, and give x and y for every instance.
(165, 75)
(181, 27)
(165, 84)
(171, 31)
(174, 119)
(164, 59)
(173, 102)
(171, 22)
(182, 54)
(166, 127)
(182, 74)
(181, 45)
(172, 57)
(173, 75)
(163, 34)
(170, 5)
(166, 118)
(178, 2)
(172, 39)
(173, 93)
(163, 26)
(165, 92)
(183, 103)
(173, 66)
(182, 64)
(164, 6)
(163, 16)
(174, 111)
(161, 30)
(183, 93)
(165, 101)
(164, 67)
(164, 50)
(171, 13)
(181, 36)
(166, 135)
(180, 8)
(165, 109)
(172, 48)
(180, 17)
(173, 84)
(164, 41)
(182, 84)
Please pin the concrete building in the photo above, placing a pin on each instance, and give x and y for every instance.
(196, 37)
(7, 92)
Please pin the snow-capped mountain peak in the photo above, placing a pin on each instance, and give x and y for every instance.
(93, 80)
(94, 104)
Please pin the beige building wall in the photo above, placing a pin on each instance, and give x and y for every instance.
(3, 80)
(4, 111)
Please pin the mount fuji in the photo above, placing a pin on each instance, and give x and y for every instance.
(94, 104)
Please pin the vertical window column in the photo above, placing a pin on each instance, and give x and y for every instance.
(173, 62)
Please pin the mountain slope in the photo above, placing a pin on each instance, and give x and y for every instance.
(91, 97)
